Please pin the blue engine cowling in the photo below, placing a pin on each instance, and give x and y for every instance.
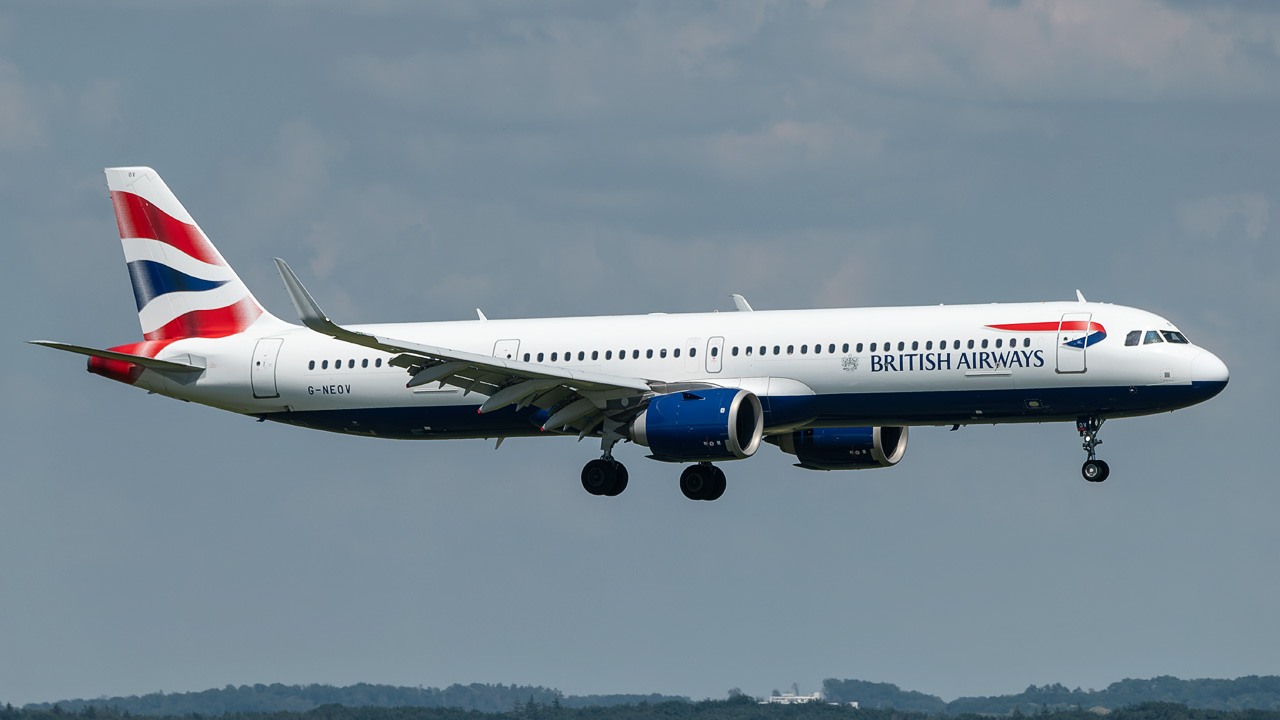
(701, 426)
(845, 448)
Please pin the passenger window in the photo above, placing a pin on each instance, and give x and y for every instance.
(1133, 338)
(804, 350)
(693, 352)
(984, 343)
(377, 363)
(676, 352)
(337, 364)
(873, 347)
(311, 365)
(1174, 336)
(648, 353)
(662, 352)
(1026, 342)
(846, 347)
(763, 350)
(999, 342)
(635, 354)
(554, 356)
(832, 347)
(915, 344)
(595, 354)
(1152, 337)
(582, 355)
(735, 351)
(324, 365)
(791, 349)
(956, 346)
(970, 344)
(748, 351)
(777, 350)
(715, 352)
(928, 345)
(901, 346)
(608, 354)
(817, 349)
(364, 363)
(539, 357)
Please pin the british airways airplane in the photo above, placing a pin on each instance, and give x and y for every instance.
(837, 388)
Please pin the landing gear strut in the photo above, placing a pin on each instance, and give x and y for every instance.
(1093, 470)
(606, 476)
(703, 481)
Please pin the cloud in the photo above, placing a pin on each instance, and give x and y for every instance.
(792, 143)
(1212, 217)
(1127, 50)
(22, 120)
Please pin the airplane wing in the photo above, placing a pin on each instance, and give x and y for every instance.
(152, 363)
(576, 395)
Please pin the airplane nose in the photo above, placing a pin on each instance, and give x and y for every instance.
(1207, 369)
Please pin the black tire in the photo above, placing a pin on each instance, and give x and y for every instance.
(695, 481)
(1095, 470)
(1106, 471)
(598, 477)
(718, 484)
(619, 480)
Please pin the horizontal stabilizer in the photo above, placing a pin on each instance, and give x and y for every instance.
(146, 362)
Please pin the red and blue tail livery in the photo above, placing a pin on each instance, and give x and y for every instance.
(181, 284)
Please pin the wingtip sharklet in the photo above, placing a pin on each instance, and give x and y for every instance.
(308, 309)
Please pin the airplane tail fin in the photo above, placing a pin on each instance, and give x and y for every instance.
(182, 285)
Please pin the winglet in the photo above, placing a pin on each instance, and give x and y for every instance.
(741, 303)
(309, 311)
(1080, 296)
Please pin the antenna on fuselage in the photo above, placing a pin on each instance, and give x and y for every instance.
(741, 303)
(1080, 296)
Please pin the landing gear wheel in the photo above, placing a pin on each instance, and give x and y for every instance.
(619, 480)
(695, 481)
(1095, 470)
(717, 484)
(598, 477)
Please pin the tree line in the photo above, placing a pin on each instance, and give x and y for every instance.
(740, 707)
(1246, 693)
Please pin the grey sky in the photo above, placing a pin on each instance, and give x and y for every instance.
(414, 162)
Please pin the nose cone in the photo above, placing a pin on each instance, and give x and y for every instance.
(1209, 373)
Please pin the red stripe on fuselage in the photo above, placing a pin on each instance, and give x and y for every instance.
(1050, 326)
(220, 322)
(138, 218)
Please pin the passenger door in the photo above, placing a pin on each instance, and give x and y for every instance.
(263, 373)
(1072, 340)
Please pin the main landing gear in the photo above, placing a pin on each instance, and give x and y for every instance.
(606, 476)
(703, 481)
(1093, 470)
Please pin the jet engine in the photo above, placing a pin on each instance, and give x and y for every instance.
(845, 448)
(701, 425)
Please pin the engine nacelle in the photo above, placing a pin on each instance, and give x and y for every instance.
(701, 426)
(845, 448)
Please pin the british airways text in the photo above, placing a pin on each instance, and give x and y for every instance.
(985, 360)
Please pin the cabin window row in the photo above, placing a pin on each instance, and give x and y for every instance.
(350, 364)
(749, 350)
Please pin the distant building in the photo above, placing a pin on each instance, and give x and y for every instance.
(791, 698)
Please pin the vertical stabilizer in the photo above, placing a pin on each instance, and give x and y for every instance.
(182, 285)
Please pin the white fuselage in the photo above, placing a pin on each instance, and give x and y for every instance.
(811, 368)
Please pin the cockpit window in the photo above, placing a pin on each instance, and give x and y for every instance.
(1153, 336)
(1174, 336)
(1133, 338)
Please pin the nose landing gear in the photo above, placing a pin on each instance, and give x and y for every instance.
(1093, 470)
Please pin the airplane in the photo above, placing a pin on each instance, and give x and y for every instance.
(837, 388)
